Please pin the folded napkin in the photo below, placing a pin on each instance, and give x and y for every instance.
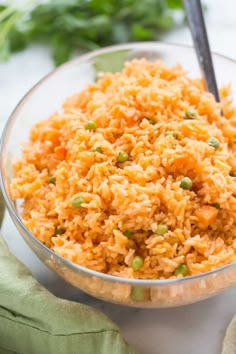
(33, 321)
(229, 343)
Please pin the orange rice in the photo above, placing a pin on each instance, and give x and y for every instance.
(140, 111)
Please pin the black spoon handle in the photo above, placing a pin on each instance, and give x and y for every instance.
(197, 26)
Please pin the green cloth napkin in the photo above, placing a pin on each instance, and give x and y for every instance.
(33, 321)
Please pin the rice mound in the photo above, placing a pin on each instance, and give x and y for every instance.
(140, 111)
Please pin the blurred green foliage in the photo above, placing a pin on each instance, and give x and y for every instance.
(70, 25)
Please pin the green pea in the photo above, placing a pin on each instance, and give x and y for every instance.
(137, 262)
(152, 122)
(216, 205)
(128, 233)
(98, 149)
(52, 180)
(59, 231)
(171, 133)
(186, 183)
(90, 125)
(213, 142)
(190, 114)
(137, 294)
(122, 157)
(182, 269)
(76, 203)
(232, 174)
(162, 229)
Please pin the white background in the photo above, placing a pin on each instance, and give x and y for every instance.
(195, 329)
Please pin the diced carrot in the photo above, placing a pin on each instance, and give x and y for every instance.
(181, 160)
(207, 214)
(120, 111)
(192, 128)
(52, 135)
(225, 91)
(60, 152)
(232, 162)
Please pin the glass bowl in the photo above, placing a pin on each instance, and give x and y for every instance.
(46, 97)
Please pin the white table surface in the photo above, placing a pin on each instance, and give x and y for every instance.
(194, 329)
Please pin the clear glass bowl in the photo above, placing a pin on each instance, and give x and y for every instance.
(46, 97)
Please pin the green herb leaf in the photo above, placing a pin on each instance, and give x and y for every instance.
(175, 4)
(4, 50)
(61, 51)
(69, 26)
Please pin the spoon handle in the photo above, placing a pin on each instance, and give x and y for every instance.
(197, 26)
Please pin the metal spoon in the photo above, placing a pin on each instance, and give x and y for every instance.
(197, 26)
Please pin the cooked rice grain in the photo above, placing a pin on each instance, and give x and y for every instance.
(143, 191)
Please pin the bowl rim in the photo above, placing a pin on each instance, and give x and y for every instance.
(77, 60)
